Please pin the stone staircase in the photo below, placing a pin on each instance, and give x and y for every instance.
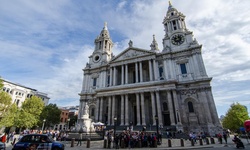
(85, 136)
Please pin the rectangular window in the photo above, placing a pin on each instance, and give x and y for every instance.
(161, 72)
(94, 82)
(183, 69)
(108, 80)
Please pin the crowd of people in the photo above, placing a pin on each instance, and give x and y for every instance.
(131, 139)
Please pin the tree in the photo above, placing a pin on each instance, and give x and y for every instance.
(235, 117)
(5, 105)
(51, 113)
(8, 119)
(1, 83)
(29, 113)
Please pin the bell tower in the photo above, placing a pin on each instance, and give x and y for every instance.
(177, 36)
(103, 48)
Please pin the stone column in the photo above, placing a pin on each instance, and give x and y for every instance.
(126, 110)
(111, 77)
(115, 75)
(101, 107)
(109, 110)
(122, 75)
(122, 110)
(170, 108)
(176, 104)
(156, 71)
(84, 84)
(203, 98)
(212, 107)
(136, 72)
(138, 109)
(97, 109)
(171, 71)
(141, 71)
(153, 107)
(80, 109)
(196, 66)
(202, 66)
(126, 74)
(113, 109)
(165, 68)
(143, 110)
(150, 70)
(158, 104)
(104, 79)
(169, 27)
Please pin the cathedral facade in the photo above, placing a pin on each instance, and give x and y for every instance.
(139, 85)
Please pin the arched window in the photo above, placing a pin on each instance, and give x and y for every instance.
(93, 112)
(165, 106)
(190, 107)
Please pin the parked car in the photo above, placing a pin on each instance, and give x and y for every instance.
(38, 141)
(2, 146)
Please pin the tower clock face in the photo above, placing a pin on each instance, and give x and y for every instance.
(96, 58)
(177, 39)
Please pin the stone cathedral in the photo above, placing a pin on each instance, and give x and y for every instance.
(139, 84)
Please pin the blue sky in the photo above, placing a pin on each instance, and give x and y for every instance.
(45, 44)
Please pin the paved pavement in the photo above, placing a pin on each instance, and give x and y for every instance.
(97, 145)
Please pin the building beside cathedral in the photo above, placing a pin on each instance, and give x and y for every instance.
(19, 93)
(138, 84)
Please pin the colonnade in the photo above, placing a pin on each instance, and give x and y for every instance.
(123, 72)
(120, 106)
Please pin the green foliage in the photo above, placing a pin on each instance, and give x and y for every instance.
(52, 115)
(5, 102)
(235, 117)
(29, 114)
(8, 119)
(1, 83)
(73, 120)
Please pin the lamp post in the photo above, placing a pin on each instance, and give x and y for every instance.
(157, 129)
(43, 124)
(115, 119)
(68, 123)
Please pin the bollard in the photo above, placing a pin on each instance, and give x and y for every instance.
(155, 143)
(139, 143)
(169, 143)
(192, 142)
(207, 141)
(88, 143)
(122, 143)
(201, 142)
(105, 143)
(182, 142)
(72, 142)
(212, 140)
(109, 143)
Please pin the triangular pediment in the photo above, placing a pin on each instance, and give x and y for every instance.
(132, 53)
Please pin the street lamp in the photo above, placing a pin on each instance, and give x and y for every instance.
(43, 124)
(68, 123)
(157, 129)
(115, 119)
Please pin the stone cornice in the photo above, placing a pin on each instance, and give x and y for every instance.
(191, 91)
(184, 52)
